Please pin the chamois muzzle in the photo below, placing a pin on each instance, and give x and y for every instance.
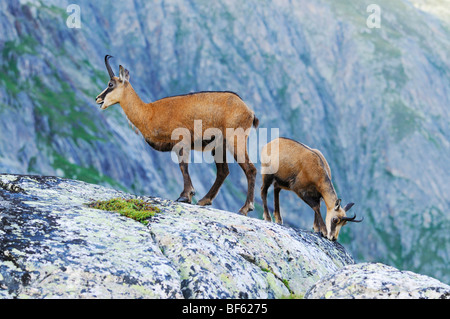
(108, 67)
(351, 219)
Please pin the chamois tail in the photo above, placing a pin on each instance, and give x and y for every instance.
(255, 121)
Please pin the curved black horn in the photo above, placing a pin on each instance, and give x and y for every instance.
(108, 67)
(352, 219)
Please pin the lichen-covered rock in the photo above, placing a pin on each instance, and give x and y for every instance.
(376, 280)
(53, 246)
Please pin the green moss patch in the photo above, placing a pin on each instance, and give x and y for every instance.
(136, 209)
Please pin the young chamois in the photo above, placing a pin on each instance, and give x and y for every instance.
(294, 166)
(158, 121)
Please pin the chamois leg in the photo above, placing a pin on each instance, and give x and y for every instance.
(222, 173)
(188, 190)
(267, 181)
(276, 200)
(319, 224)
(241, 156)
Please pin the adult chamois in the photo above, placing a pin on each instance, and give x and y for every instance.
(294, 166)
(207, 117)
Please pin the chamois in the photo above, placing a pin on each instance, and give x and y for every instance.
(294, 166)
(157, 121)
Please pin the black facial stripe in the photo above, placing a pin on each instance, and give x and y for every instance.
(332, 228)
(106, 92)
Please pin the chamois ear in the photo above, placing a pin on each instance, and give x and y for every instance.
(124, 74)
(337, 204)
(348, 206)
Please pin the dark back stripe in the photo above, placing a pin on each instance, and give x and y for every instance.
(201, 92)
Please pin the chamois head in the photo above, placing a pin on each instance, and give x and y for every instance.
(113, 93)
(336, 218)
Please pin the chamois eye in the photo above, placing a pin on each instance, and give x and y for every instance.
(335, 220)
(110, 84)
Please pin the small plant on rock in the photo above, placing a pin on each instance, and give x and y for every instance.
(136, 209)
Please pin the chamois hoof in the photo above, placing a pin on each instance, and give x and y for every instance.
(183, 199)
(279, 222)
(244, 211)
(204, 202)
(246, 208)
(320, 233)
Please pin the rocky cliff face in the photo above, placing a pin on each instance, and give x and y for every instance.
(374, 101)
(53, 246)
